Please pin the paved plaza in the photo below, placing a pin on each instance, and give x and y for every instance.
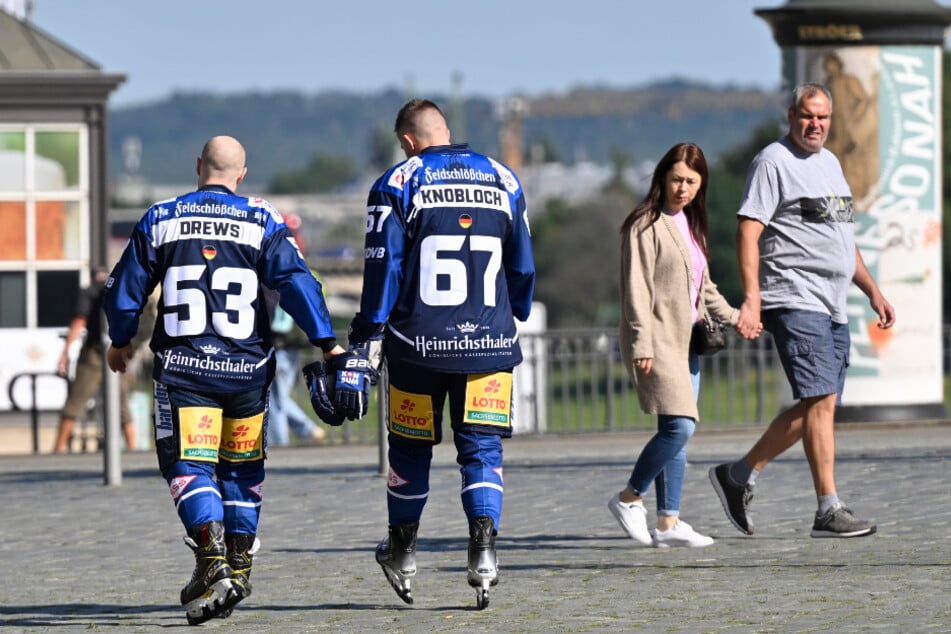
(79, 556)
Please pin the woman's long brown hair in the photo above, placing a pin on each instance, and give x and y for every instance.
(653, 203)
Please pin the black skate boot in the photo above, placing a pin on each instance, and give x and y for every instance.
(241, 550)
(210, 590)
(396, 554)
(483, 564)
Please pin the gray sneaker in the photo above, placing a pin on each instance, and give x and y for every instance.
(839, 521)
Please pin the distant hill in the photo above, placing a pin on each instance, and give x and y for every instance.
(283, 130)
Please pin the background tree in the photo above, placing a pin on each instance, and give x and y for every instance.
(541, 151)
(577, 246)
(384, 150)
(323, 174)
(727, 180)
(620, 161)
(577, 249)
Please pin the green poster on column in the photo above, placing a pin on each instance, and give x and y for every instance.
(885, 131)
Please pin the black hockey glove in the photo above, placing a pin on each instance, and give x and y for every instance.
(354, 374)
(321, 393)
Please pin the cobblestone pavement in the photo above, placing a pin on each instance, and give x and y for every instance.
(79, 556)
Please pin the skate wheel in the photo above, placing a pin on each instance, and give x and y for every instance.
(482, 598)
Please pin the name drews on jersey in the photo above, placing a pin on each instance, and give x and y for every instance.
(185, 228)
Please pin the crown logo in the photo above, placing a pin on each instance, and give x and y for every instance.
(209, 349)
(467, 327)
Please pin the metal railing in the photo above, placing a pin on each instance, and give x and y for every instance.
(574, 381)
(587, 388)
(33, 407)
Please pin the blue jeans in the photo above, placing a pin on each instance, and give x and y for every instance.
(284, 413)
(663, 460)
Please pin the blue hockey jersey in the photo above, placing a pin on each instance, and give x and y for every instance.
(214, 252)
(448, 261)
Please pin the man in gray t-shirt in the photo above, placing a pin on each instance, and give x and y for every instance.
(807, 244)
(797, 257)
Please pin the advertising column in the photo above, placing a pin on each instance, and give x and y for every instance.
(882, 63)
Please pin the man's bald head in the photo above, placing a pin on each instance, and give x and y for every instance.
(420, 124)
(222, 162)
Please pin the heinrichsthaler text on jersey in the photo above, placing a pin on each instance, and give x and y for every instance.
(448, 261)
(212, 251)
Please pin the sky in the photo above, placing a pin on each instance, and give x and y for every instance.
(495, 48)
(491, 48)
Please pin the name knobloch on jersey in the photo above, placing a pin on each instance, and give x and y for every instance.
(463, 196)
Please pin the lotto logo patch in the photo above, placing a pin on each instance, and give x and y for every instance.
(488, 399)
(200, 433)
(411, 415)
(243, 438)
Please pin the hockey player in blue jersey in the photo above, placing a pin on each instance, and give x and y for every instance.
(214, 252)
(448, 267)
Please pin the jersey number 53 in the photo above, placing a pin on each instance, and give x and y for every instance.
(240, 287)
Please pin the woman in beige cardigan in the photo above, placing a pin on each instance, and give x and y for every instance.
(664, 277)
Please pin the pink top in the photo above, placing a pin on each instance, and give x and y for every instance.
(697, 260)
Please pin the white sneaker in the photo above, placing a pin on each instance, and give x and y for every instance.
(632, 516)
(680, 534)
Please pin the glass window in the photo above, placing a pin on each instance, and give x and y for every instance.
(12, 300)
(57, 160)
(12, 161)
(56, 297)
(58, 232)
(13, 236)
(44, 222)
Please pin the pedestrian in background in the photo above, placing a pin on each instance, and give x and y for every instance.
(284, 414)
(86, 383)
(665, 289)
(797, 257)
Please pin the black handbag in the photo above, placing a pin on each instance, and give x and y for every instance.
(707, 336)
